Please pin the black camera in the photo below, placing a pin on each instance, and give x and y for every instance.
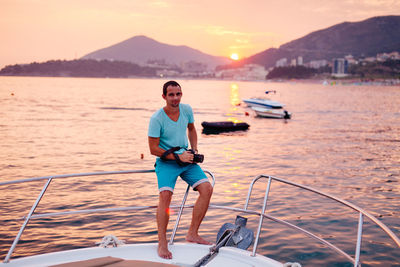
(197, 158)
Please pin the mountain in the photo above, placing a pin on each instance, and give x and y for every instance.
(141, 49)
(360, 39)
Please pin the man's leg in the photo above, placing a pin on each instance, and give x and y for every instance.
(162, 223)
(199, 211)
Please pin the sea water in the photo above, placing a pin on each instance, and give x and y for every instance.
(343, 140)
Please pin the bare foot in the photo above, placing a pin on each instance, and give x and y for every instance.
(197, 239)
(163, 251)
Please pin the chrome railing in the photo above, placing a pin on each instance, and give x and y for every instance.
(262, 215)
(356, 260)
(63, 176)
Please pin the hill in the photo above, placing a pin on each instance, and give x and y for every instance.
(141, 49)
(360, 39)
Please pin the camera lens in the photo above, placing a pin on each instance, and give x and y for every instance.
(198, 158)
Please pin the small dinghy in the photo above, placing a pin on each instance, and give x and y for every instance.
(272, 113)
(263, 103)
(267, 108)
(223, 126)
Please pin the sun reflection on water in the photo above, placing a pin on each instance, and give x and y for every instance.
(235, 99)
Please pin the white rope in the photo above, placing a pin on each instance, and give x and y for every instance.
(292, 264)
(110, 241)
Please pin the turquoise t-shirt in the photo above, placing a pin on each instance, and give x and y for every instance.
(171, 133)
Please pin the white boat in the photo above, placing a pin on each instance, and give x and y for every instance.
(263, 103)
(272, 113)
(228, 250)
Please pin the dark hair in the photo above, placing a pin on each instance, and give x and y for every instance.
(173, 83)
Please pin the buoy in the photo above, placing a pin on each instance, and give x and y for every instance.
(141, 156)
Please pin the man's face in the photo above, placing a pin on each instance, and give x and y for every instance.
(173, 97)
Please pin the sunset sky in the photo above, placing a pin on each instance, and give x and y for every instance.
(41, 30)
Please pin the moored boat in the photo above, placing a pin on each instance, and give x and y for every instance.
(272, 113)
(263, 103)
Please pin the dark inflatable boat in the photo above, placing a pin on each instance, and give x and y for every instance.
(223, 126)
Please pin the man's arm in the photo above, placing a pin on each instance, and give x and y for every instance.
(154, 147)
(158, 151)
(192, 135)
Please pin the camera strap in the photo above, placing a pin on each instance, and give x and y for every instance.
(169, 151)
(177, 159)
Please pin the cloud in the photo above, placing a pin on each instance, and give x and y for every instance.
(242, 41)
(218, 30)
(159, 4)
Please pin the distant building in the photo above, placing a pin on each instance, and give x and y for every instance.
(299, 61)
(160, 63)
(316, 64)
(281, 62)
(388, 56)
(369, 59)
(167, 73)
(350, 59)
(293, 62)
(193, 67)
(248, 72)
(394, 55)
(382, 57)
(339, 67)
(255, 72)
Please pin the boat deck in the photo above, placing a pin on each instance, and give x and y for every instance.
(184, 254)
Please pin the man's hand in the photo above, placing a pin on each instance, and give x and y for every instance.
(186, 156)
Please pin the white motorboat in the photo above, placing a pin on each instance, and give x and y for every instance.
(263, 103)
(272, 113)
(230, 249)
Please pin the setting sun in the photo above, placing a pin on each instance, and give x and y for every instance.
(235, 56)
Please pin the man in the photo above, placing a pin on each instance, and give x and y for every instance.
(167, 129)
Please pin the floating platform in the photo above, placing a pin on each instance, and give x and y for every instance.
(224, 126)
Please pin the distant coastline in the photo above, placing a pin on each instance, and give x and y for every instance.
(377, 73)
(343, 81)
(79, 68)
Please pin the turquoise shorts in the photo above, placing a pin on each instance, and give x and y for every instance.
(168, 172)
